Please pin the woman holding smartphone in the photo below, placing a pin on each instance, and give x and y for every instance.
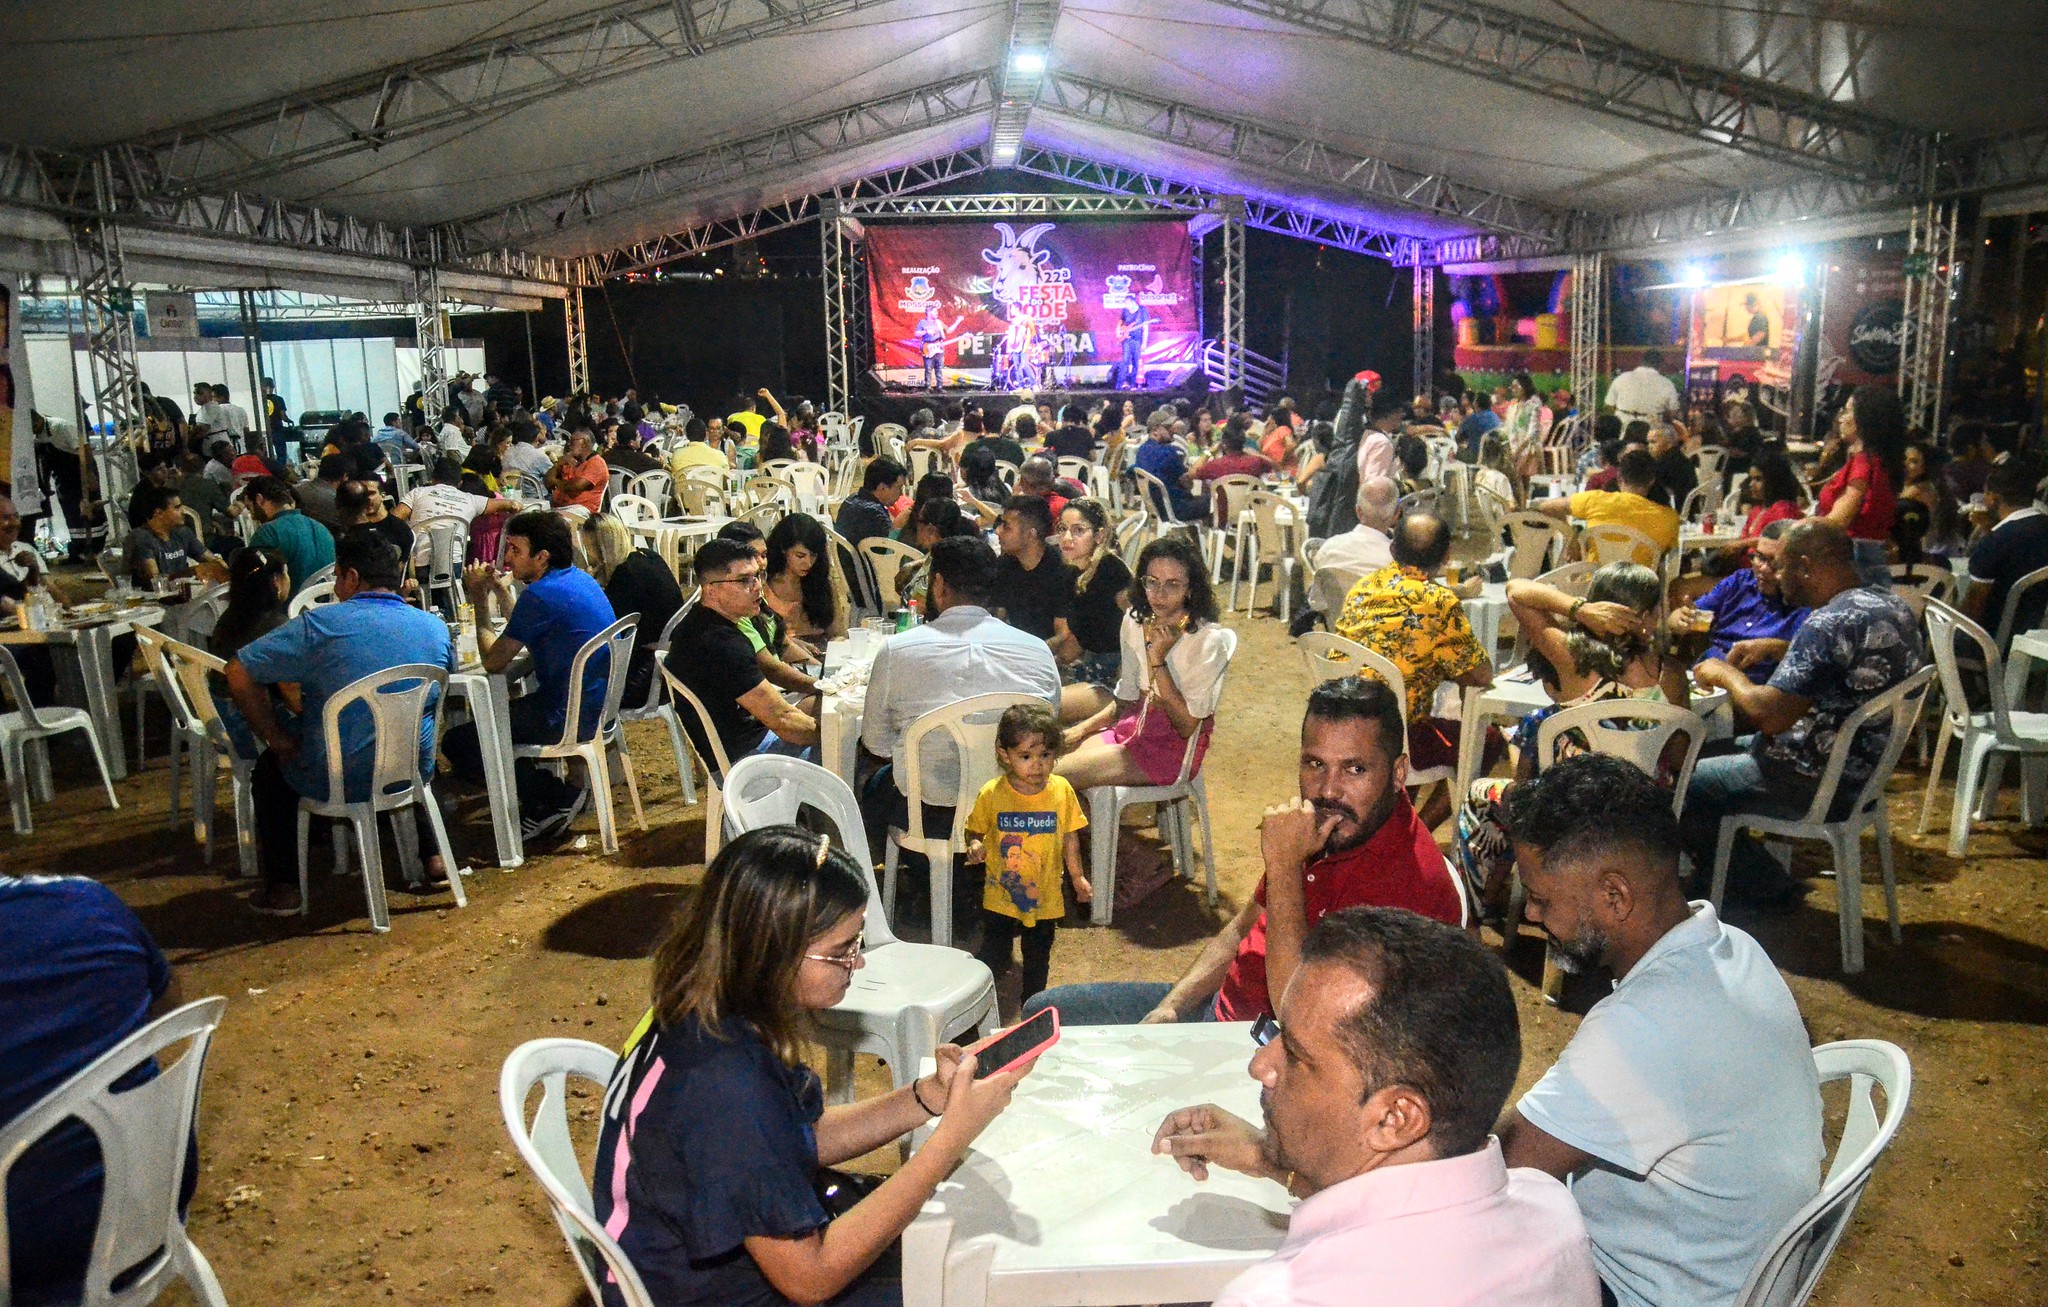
(714, 1130)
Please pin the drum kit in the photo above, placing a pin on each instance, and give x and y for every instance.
(1031, 356)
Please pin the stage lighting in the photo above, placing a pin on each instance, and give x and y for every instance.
(1029, 62)
(1692, 276)
(1006, 154)
(1791, 268)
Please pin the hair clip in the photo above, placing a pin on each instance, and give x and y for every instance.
(824, 847)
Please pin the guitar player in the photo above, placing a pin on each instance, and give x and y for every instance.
(931, 337)
(1130, 335)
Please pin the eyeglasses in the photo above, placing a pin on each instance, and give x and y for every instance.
(752, 580)
(849, 959)
(1265, 1029)
(1164, 585)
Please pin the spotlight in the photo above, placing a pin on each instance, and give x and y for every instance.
(1791, 268)
(1006, 154)
(1029, 62)
(1692, 276)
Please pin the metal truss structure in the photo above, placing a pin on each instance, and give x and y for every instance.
(578, 340)
(732, 164)
(108, 299)
(1750, 114)
(453, 88)
(1233, 293)
(1422, 316)
(1589, 329)
(1031, 24)
(432, 339)
(1930, 288)
(1806, 201)
(1278, 153)
(839, 240)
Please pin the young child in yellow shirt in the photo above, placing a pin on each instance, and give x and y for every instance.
(1026, 827)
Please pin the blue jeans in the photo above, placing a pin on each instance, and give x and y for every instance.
(773, 743)
(1109, 1003)
(1724, 786)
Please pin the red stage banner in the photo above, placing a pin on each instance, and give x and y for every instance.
(1022, 306)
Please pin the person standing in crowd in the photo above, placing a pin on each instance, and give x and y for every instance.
(558, 611)
(57, 453)
(868, 514)
(714, 1130)
(1862, 496)
(1857, 642)
(1026, 829)
(1397, 1047)
(578, 482)
(1034, 585)
(1350, 839)
(1644, 393)
(323, 650)
(306, 545)
(1685, 1112)
(2014, 544)
(715, 653)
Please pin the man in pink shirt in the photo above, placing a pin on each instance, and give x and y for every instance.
(1395, 1051)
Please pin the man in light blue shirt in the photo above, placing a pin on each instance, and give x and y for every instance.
(397, 442)
(965, 650)
(323, 650)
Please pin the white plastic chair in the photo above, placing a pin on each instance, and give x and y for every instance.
(1785, 1276)
(1536, 540)
(608, 738)
(447, 550)
(1638, 730)
(24, 748)
(1332, 656)
(1916, 584)
(1617, 542)
(1986, 738)
(321, 576)
(1106, 804)
(397, 700)
(1077, 470)
(208, 742)
(543, 1143)
(632, 510)
(1275, 524)
(1226, 501)
(1902, 705)
(142, 1133)
(971, 726)
(656, 706)
(811, 482)
(656, 487)
(884, 558)
(1154, 499)
(312, 596)
(908, 998)
(716, 766)
(2015, 596)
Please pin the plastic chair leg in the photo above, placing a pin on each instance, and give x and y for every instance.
(305, 879)
(686, 769)
(1941, 742)
(1201, 802)
(1970, 765)
(99, 755)
(714, 816)
(941, 865)
(1724, 849)
(632, 782)
(171, 818)
(2034, 787)
(1988, 787)
(205, 765)
(17, 783)
(1849, 895)
(1885, 857)
(198, 1274)
(1103, 813)
(245, 823)
(599, 773)
(441, 843)
(364, 828)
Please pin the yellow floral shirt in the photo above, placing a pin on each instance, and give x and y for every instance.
(1415, 624)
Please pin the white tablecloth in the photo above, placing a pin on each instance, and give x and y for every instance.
(1062, 1201)
(83, 653)
(840, 712)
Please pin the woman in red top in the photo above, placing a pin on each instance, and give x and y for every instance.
(1862, 498)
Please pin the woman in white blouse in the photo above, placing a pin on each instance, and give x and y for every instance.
(1174, 655)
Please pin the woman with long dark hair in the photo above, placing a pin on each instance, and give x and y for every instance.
(1862, 497)
(714, 1130)
(1174, 654)
(804, 586)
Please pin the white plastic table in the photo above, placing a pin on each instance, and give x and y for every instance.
(1484, 611)
(1062, 1200)
(667, 537)
(85, 669)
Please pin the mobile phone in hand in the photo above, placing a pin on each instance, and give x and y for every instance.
(1017, 1046)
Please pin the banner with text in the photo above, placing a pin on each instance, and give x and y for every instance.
(1022, 306)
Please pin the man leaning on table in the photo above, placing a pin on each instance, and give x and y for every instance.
(1685, 1113)
(1350, 840)
(321, 651)
(1395, 1050)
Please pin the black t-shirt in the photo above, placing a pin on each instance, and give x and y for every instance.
(1031, 601)
(1096, 620)
(392, 529)
(1003, 448)
(715, 660)
(1071, 442)
(2009, 551)
(643, 584)
(1677, 475)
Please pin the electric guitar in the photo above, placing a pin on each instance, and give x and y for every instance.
(937, 348)
(1124, 330)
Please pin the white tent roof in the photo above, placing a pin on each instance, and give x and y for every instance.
(498, 115)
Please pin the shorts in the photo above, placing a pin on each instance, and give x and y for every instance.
(1099, 669)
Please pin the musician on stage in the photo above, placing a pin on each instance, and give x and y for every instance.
(1130, 335)
(931, 336)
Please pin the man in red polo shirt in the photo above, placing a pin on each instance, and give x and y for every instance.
(1350, 840)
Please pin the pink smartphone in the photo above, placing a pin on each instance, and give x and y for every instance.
(1016, 1046)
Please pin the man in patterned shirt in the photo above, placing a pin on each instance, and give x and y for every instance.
(1858, 642)
(1403, 614)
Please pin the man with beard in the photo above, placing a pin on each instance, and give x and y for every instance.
(1350, 840)
(1685, 1112)
(1395, 1051)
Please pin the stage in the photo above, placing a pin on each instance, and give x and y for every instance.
(898, 405)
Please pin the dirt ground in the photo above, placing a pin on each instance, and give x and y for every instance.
(351, 1139)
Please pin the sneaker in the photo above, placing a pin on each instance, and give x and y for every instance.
(276, 901)
(553, 825)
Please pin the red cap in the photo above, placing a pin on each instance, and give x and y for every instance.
(1370, 378)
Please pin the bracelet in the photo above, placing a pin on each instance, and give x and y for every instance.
(1572, 613)
(920, 1098)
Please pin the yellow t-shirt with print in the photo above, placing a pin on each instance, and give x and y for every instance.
(1024, 838)
(1415, 624)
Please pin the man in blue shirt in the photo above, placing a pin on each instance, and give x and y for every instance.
(558, 612)
(323, 650)
(306, 545)
(867, 514)
(398, 444)
(1473, 429)
(78, 974)
(1746, 617)
(1161, 458)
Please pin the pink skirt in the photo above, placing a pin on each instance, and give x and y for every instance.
(1154, 746)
